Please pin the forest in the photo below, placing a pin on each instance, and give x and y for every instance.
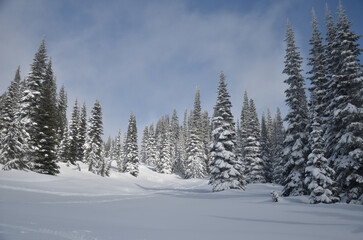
(317, 152)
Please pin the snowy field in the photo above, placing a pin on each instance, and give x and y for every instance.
(80, 205)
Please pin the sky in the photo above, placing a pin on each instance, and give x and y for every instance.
(148, 57)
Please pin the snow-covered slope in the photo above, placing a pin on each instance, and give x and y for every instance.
(81, 205)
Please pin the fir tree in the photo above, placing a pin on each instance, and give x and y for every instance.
(225, 168)
(345, 123)
(12, 145)
(74, 134)
(266, 149)
(254, 165)
(151, 156)
(46, 126)
(295, 150)
(62, 112)
(94, 143)
(144, 145)
(318, 174)
(82, 132)
(117, 154)
(174, 135)
(278, 136)
(196, 158)
(244, 120)
(131, 163)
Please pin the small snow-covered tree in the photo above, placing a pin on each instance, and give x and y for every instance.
(151, 156)
(225, 167)
(82, 133)
(94, 143)
(74, 134)
(144, 145)
(278, 136)
(131, 163)
(12, 145)
(318, 174)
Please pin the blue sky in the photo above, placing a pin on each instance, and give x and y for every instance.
(148, 57)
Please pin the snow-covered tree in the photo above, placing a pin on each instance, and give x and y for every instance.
(174, 135)
(82, 132)
(266, 149)
(225, 167)
(94, 143)
(295, 144)
(278, 136)
(74, 134)
(131, 162)
(62, 102)
(144, 145)
(318, 174)
(163, 164)
(195, 165)
(254, 168)
(151, 156)
(244, 120)
(45, 160)
(344, 142)
(12, 145)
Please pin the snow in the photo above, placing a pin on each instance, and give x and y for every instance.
(81, 205)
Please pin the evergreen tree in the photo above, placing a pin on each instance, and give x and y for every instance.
(30, 100)
(295, 144)
(266, 149)
(278, 136)
(196, 158)
(345, 122)
(144, 145)
(244, 120)
(206, 138)
(151, 156)
(174, 135)
(94, 143)
(12, 145)
(74, 134)
(225, 167)
(164, 164)
(82, 132)
(46, 126)
(63, 148)
(131, 163)
(62, 112)
(117, 153)
(318, 174)
(254, 165)
(181, 153)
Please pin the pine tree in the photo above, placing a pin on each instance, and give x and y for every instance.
(266, 149)
(278, 136)
(174, 135)
(63, 147)
(318, 174)
(46, 126)
(295, 143)
(131, 163)
(82, 132)
(30, 100)
(225, 168)
(62, 112)
(144, 145)
(12, 145)
(118, 152)
(74, 134)
(196, 158)
(206, 138)
(244, 120)
(164, 164)
(151, 156)
(254, 165)
(345, 122)
(94, 143)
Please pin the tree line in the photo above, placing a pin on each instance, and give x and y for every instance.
(319, 154)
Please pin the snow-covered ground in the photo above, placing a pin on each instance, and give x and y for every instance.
(81, 205)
